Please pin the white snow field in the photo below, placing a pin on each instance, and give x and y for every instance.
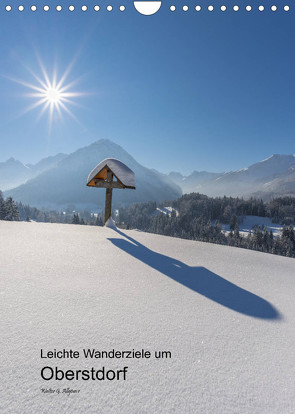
(250, 221)
(227, 316)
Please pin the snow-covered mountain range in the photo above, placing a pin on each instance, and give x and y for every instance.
(190, 183)
(14, 173)
(59, 181)
(273, 176)
(64, 184)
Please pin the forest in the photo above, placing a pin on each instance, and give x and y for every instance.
(193, 216)
(199, 217)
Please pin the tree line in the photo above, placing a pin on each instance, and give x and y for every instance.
(15, 211)
(200, 217)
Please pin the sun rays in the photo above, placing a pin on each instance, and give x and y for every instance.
(51, 94)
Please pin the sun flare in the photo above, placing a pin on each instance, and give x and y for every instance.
(52, 94)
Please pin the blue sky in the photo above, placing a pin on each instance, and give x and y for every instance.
(179, 91)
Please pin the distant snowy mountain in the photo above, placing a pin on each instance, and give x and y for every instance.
(192, 182)
(282, 184)
(65, 183)
(273, 176)
(60, 180)
(47, 163)
(14, 173)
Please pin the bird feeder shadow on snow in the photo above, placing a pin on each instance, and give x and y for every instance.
(200, 280)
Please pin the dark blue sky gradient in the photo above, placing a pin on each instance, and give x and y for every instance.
(179, 91)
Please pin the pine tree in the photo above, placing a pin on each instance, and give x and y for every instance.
(75, 219)
(2, 207)
(10, 210)
(98, 221)
(233, 222)
(237, 235)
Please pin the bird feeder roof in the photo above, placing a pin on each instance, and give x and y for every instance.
(122, 173)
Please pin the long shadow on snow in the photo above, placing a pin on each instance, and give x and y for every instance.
(200, 280)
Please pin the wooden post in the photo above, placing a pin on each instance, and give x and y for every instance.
(109, 193)
(117, 175)
(108, 205)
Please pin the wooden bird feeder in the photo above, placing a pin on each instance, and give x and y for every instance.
(111, 173)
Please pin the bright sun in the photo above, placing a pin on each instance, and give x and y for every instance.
(53, 95)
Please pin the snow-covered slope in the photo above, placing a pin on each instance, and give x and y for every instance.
(227, 316)
(249, 222)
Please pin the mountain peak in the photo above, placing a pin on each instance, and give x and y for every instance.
(65, 183)
(12, 160)
(278, 157)
(103, 141)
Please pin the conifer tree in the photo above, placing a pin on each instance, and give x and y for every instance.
(98, 221)
(2, 207)
(75, 219)
(10, 210)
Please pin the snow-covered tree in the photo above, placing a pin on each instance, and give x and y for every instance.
(9, 210)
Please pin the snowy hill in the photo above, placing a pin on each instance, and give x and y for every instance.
(227, 316)
(65, 184)
(273, 176)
